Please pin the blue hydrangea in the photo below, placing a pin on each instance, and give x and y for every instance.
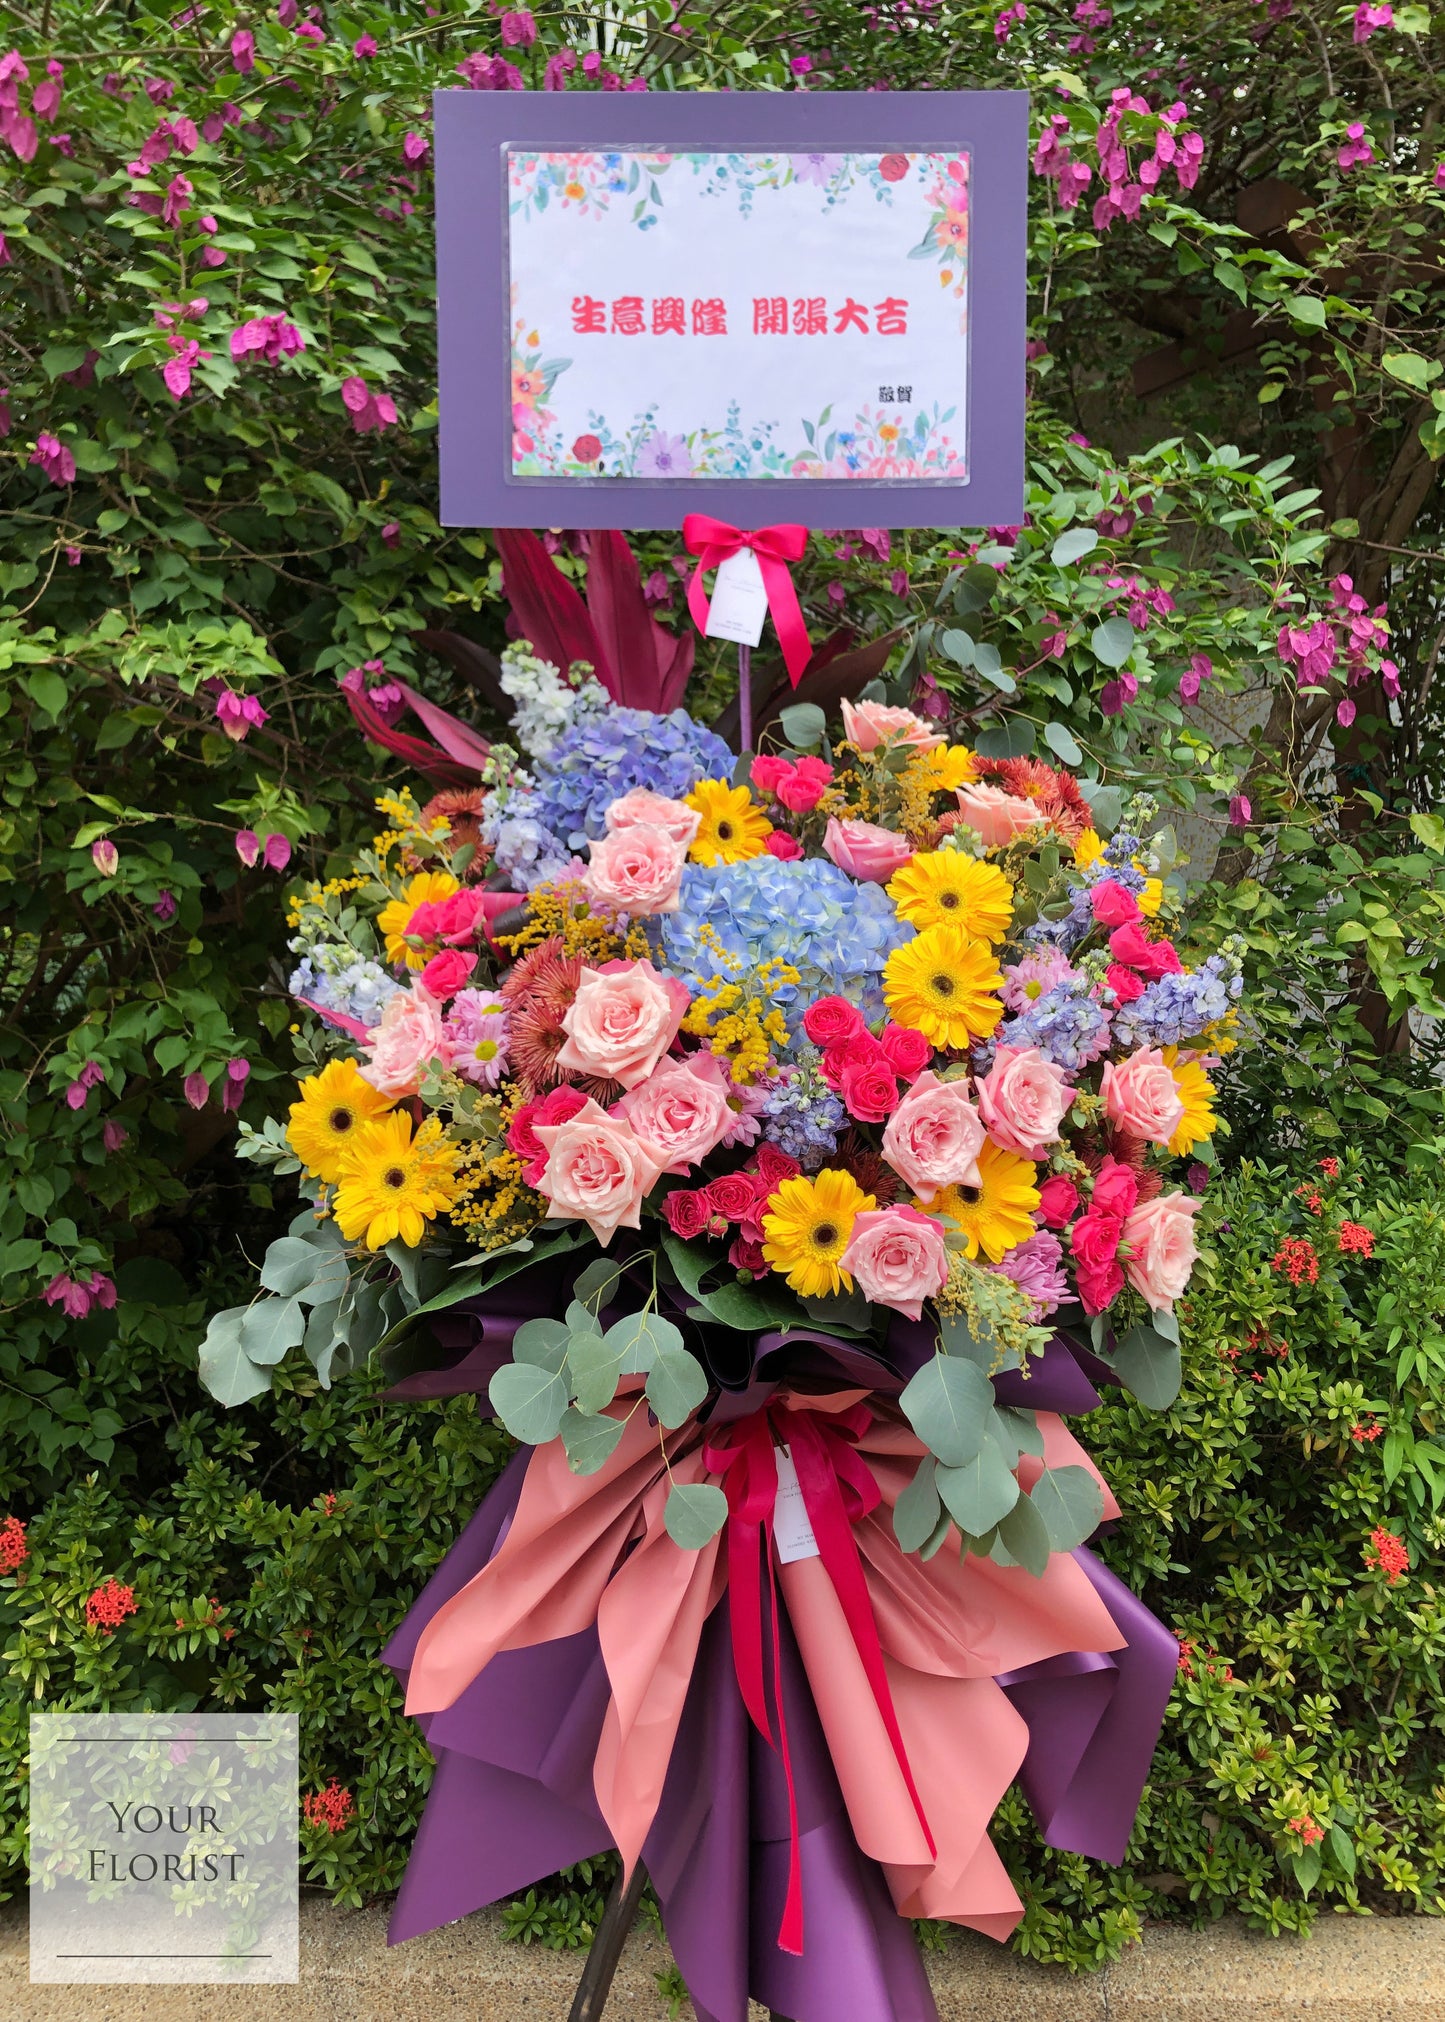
(334, 977)
(1176, 1008)
(1068, 1025)
(836, 933)
(524, 848)
(599, 758)
(802, 1116)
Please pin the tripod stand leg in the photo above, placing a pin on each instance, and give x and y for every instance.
(610, 1936)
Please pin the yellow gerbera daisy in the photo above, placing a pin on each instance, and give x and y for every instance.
(941, 984)
(807, 1227)
(997, 1213)
(1152, 897)
(1196, 1091)
(949, 888)
(392, 1183)
(944, 769)
(391, 921)
(324, 1123)
(733, 828)
(1088, 849)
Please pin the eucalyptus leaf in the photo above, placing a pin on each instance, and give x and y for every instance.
(1025, 1536)
(803, 724)
(957, 646)
(917, 1510)
(271, 1327)
(936, 1536)
(980, 1493)
(581, 1319)
(1072, 545)
(1113, 641)
(1106, 804)
(1061, 742)
(292, 1262)
(529, 1401)
(225, 1368)
(1070, 1504)
(676, 1386)
(542, 1343)
(695, 1513)
(1148, 1366)
(589, 1438)
(597, 1282)
(948, 1404)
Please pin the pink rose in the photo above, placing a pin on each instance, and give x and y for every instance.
(1094, 1240)
(997, 816)
(674, 817)
(621, 1022)
(1022, 1100)
(1113, 906)
(410, 1036)
(1125, 985)
(522, 1135)
(786, 848)
(447, 972)
(687, 1211)
(1115, 1190)
(450, 920)
(862, 1050)
(804, 784)
(731, 1196)
(1160, 1236)
(679, 1115)
(1058, 1198)
(597, 1171)
(869, 1091)
(1140, 1096)
(869, 724)
(1152, 959)
(746, 1254)
(898, 1258)
(831, 1020)
(934, 1137)
(906, 1052)
(865, 851)
(636, 869)
(768, 772)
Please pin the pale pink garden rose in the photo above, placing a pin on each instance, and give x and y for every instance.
(410, 1036)
(996, 816)
(898, 1258)
(864, 850)
(1023, 1100)
(679, 1115)
(597, 1171)
(673, 817)
(636, 870)
(1141, 1096)
(1159, 1236)
(934, 1137)
(869, 724)
(621, 1022)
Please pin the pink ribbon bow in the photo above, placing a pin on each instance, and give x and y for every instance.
(714, 541)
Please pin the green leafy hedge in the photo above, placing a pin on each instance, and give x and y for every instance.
(271, 1552)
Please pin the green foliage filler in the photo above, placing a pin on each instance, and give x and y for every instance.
(1282, 1519)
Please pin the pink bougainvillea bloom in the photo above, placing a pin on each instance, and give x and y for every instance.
(391, 533)
(239, 714)
(1345, 712)
(368, 410)
(1199, 670)
(164, 907)
(801, 65)
(311, 31)
(1116, 695)
(1390, 679)
(1240, 811)
(114, 1135)
(233, 1089)
(105, 856)
(248, 846)
(272, 336)
(1356, 148)
(286, 13)
(197, 1090)
(414, 147)
(73, 1298)
(365, 47)
(276, 853)
(1368, 19)
(45, 99)
(519, 29)
(176, 372)
(1439, 176)
(243, 50)
(559, 69)
(57, 462)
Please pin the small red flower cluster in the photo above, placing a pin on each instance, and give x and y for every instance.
(1307, 1830)
(1387, 1554)
(1297, 1259)
(13, 1549)
(1313, 1199)
(1330, 1167)
(109, 1605)
(331, 1807)
(1355, 1237)
(1363, 1433)
(733, 1200)
(1189, 1652)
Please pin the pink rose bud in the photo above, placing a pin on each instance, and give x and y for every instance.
(197, 1090)
(865, 851)
(786, 848)
(114, 1135)
(105, 856)
(869, 724)
(447, 972)
(248, 846)
(1058, 1200)
(996, 816)
(276, 853)
(1113, 905)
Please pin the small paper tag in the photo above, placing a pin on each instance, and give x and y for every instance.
(739, 600)
(791, 1529)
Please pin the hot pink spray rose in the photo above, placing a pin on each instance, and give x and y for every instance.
(1160, 1238)
(997, 816)
(621, 1022)
(934, 1137)
(680, 1116)
(869, 724)
(898, 1258)
(401, 1047)
(1022, 1100)
(597, 1171)
(865, 851)
(447, 972)
(674, 817)
(636, 869)
(1140, 1096)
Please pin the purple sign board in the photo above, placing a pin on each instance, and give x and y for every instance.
(767, 306)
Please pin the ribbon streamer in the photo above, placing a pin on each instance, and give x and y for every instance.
(714, 541)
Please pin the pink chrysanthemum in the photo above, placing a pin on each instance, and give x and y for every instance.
(1025, 982)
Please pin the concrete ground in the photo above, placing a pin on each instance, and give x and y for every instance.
(1349, 1970)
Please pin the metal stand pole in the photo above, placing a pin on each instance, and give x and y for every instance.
(745, 698)
(607, 1942)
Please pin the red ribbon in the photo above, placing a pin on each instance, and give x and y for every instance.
(838, 1489)
(713, 541)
